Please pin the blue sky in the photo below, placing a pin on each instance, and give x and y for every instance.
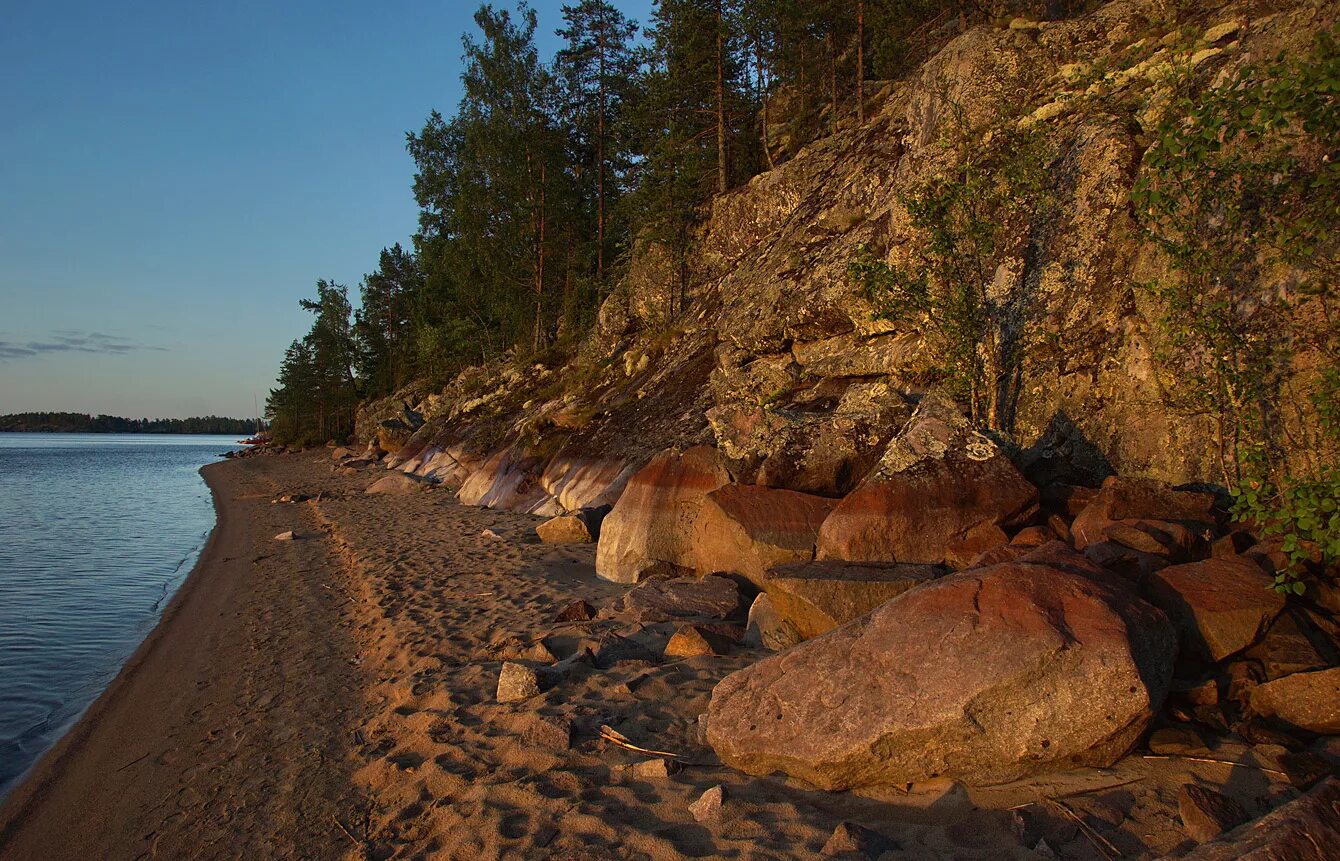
(175, 176)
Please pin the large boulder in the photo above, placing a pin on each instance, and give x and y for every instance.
(1221, 605)
(578, 482)
(986, 676)
(395, 484)
(650, 528)
(582, 527)
(938, 481)
(816, 597)
(1305, 829)
(747, 529)
(1139, 499)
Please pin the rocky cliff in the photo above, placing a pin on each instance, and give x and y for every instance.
(777, 358)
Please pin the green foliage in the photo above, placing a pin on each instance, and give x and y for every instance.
(967, 284)
(1241, 192)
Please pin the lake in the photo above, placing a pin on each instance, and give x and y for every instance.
(96, 533)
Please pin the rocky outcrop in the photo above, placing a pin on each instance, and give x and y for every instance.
(816, 597)
(650, 528)
(938, 482)
(748, 529)
(1222, 606)
(985, 676)
(508, 480)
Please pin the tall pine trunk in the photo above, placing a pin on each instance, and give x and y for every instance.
(600, 163)
(722, 176)
(539, 267)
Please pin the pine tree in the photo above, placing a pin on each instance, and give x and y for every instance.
(383, 324)
(596, 69)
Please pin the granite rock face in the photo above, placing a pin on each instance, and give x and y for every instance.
(985, 676)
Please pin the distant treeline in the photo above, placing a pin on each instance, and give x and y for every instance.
(84, 423)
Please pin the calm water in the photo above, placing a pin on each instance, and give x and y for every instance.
(96, 533)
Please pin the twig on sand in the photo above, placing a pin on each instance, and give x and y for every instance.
(347, 832)
(1219, 761)
(1099, 842)
(133, 761)
(1074, 792)
(616, 738)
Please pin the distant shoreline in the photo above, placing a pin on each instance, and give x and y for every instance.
(59, 422)
(132, 433)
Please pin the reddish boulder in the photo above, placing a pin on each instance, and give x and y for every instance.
(395, 484)
(816, 597)
(747, 529)
(1305, 829)
(1139, 499)
(986, 676)
(937, 481)
(651, 526)
(1221, 605)
(1309, 701)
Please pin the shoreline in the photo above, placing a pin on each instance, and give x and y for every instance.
(189, 692)
(337, 697)
(30, 788)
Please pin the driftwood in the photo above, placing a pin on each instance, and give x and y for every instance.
(616, 738)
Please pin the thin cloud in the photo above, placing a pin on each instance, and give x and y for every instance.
(74, 341)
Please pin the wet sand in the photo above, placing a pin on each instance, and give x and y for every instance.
(334, 697)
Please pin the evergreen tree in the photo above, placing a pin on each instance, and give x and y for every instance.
(596, 71)
(383, 324)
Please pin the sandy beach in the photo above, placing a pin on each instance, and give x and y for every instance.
(334, 696)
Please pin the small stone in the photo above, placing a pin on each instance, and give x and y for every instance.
(1205, 693)
(577, 611)
(567, 529)
(517, 682)
(693, 641)
(285, 536)
(540, 654)
(652, 769)
(1206, 814)
(709, 804)
(1033, 536)
(1176, 741)
(551, 733)
(850, 838)
(396, 483)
